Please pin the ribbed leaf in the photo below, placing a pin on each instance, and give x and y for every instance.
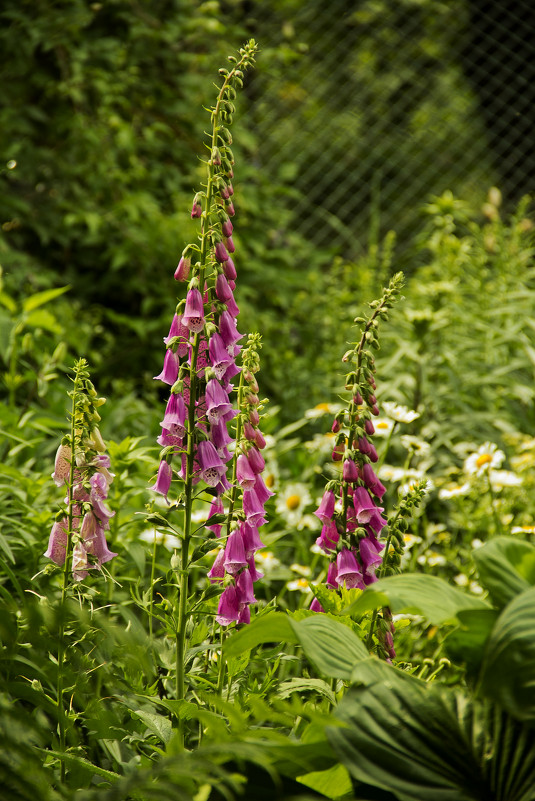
(333, 647)
(424, 742)
(506, 567)
(466, 645)
(273, 627)
(430, 596)
(508, 670)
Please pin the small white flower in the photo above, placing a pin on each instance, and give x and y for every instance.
(301, 584)
(415, 444)
(302, 570)
(476, 588)
(461, 580)
(405, 489)
(504, 478)
(383, 426)
(523, 530)
(401, 414)
(321, 409)
(453, 491)
(486, 457)
(292, 501)
(266, 560)
(388, 473)
(477, 543)
(410, 539)
(169, 541)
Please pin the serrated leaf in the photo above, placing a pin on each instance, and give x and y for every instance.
(158, 724)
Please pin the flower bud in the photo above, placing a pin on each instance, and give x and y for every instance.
(227, 228)
(182, 271)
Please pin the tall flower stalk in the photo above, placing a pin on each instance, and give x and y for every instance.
(77, 541)
(202, 351)
(352, 519)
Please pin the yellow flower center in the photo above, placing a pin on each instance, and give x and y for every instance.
(302, 583)
(485, 458)
(381, 425)
(293, 501)
(270, 480)
(324, 407)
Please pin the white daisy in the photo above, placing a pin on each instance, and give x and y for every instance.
(301, 584)
(523, 530)
(453, 491)
(383, 426)
(169, 541)
(486, 457)
(292, 502)
(504, 478)
(322, 408)
(401, 414)
(266, 560)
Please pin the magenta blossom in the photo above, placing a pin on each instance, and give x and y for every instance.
(329, 537)
(348, 570)
(163, 480)
(217, 401)
(235, 558)
(325, 510)
(244, 473)
(372, 482)
(228, 610)
(211, 467)
(193, 317)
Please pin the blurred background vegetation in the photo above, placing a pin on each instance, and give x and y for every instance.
(356, 115)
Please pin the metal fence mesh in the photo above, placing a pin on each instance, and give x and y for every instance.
(371, 107)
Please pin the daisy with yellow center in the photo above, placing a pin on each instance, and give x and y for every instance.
(301, 584)
(292, 502)
(400, 414)
(523, 530)
(383, 426)
(487, 457)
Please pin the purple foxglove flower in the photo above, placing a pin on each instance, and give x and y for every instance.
(372, 453)
(175, 416)
(223, 191)
(193, 317)
(329, 537)
(315, 606)
(222, 289)
(182, 271)
(103, 464)
(357, 399)
(171, 364)
(62, 465)
(255, 574)
(163, 480)
(80, 562)
(229, 269)
(372, 482)
(229, 208)
(96, 545)
(260, 442)
(325, 510)
(232, 307)
(228, 610)
(196, 210)
(229, 243)
(251, 539)
(332, 573)
(369, 427)
(369, 557)
(348, 570)
(217, 571)
(350, 471)
(254, 417)
(216, 508)
(98, 493)
(244, 473)
(232, 284)
(230, 188)
(228, 330)
(220, 358)
(211, 467)
(249, 431)
(220, 438)
(363, 445)
(245, 614)
(244, 585)
(227, 228)
(262, 492)
(235, 557)
(221, 252)
(223, 486)
(178, 329)
(57, 542)
(256, 460)
(217, 402)
(364, 506)
(166, 439)
(254, 510)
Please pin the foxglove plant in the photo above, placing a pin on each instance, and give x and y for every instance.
(77, 542)
(350, 511)
(200, 364)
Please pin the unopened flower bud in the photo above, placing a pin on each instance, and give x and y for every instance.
(221, 253)
(254, 417)
(259, 439)
(248, 431)
(182, 271)
(229, 243)
(216, 157)
(229, 208)
(227, 228)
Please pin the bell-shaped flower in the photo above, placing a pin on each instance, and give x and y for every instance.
(245, 614)
(169, 372)
(217, 571)
(244, 585)
(175, 416)
(163, 480)
(244, 473)
(253, 508)
(329, 537)
(256, 460)
(62, 465)
(228, 610)
(348, 570)
(220, 358)
(178, 330)
(80, 562)
(235, 558)
(350, 472)
(367, 512)
(332, 573)
(220, 252)
(325, 510)
(94, 538)
(368, 556)
(229, 269)
(228, 329)
(262, 492)
(256, 575)
(193, 317)
(315, 606)
(251, 539)
(57, 542)
(217, 402)
(372, 482)
(211, 468)
(216, 508)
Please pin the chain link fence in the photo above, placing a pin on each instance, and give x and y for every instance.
(369, 108)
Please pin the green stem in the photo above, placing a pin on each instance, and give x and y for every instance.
(152, 574)
(497, 522)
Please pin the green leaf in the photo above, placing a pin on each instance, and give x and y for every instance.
(506, 567)
(430, 596)
(466, 644)
(331, 646)
(72, 759)
(40, 298)
(298, 685)
(43, 319)
(158, 724)
(508, 669)
(273, 627)
(423, 741)
(333, 783)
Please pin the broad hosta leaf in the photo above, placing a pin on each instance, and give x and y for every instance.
(430, 596)
(424, 741)
(466, 645)
(331, 646)
(508, 671)
(273, 627)
(506, 567)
